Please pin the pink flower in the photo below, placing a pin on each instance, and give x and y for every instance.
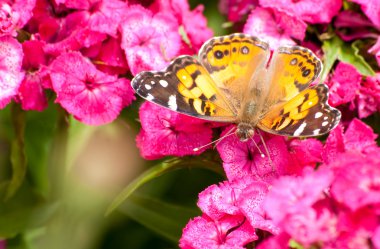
(226, 233)
(241, 159)
(358, 137)
(368, 97)
(236, 9)
(11, 74)
(31, 93)
(376, 238)
(371, 8)
(275, 27)
(344, 84)
(375, 49)
(291, 195)
(357, 180)
(311, 11)
(70, 33)
(311, 225)
(14, 15)
(307, 152)
(91, 96)
(149, 41)
(193, 22)
(280, 241)
(168, 133)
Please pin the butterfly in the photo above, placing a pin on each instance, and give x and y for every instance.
(236, 79)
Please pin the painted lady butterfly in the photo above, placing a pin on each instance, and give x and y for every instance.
(236, 80)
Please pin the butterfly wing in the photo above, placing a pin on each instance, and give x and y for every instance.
(232, 62)
(307, 114)
(291, 70)
(186, 87)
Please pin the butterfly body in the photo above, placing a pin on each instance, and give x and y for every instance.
(236, 80)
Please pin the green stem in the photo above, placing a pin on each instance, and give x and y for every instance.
(18, 157)
(58, 156)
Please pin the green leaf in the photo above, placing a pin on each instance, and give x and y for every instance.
(335, 49)
(18, 157)
(159, 169)
(164, 218)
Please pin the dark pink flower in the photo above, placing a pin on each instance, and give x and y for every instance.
(149, 41)
(358, 137)
(70, 33)
(344, 84)
(193, 21)
(230, 232)
(108, 56)
(357, 180)
(280, 241)
(311, 11)
(371, 8)
(375, 49)
(291, 195)
(75, 4)
(307, 152)
(168, 133)
(11, 74)
(241, 159)
(236, 9)
(368, 96)
(311, 226)
(91, 96)
(376, 238)
(14, 15)
(275, 27)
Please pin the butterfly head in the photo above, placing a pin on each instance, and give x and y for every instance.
(244, 131)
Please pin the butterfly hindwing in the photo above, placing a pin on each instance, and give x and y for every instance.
(292, 70)
(232, 61)
(185, 87)
(307, 114)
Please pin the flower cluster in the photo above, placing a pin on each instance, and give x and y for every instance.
(82, 50)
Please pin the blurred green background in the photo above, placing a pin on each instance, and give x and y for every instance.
(46, 204)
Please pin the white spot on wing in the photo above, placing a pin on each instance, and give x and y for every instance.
(316, 131)
(300, 129)
(325, 123)
(172, 102)
(318, 115)
(325, 118)
(163, 83)
(148, 87)
(149, 97)
(153, 82)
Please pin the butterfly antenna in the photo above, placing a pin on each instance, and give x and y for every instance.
(266, 149)
(258, 148)
(229, 133)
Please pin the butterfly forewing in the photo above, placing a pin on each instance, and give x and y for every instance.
(185, 87)
(232, 61)
(307, 114)
(291, 70)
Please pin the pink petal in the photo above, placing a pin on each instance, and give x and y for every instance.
(371, 8)
(31, 94)
(11, 75)
(165, 133)
(311, 11)
(236, 9)
(90, 95)
(344, 84)
(227, 233)
(306, 152)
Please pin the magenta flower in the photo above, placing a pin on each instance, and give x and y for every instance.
(305, 153)
(11, 74)
(241, 159)
(226, 233)
(149, 41)
(168, 133)
(92, 96)
(371, 8)
(291, 195)
(193, 22)
(14, 15)
(358, 138)
(275, 27)
(311, 11)
(31, 93)
(236, 9)
(344, 84)
(357, 180)
(368, 97)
